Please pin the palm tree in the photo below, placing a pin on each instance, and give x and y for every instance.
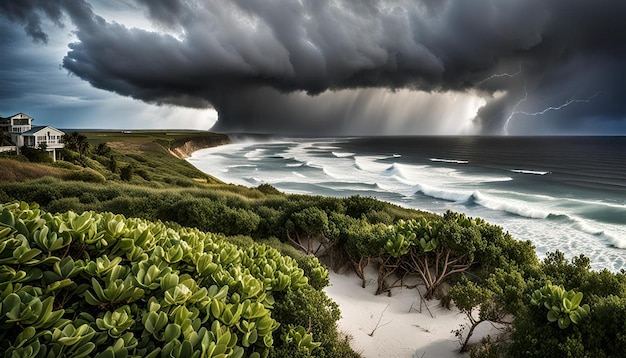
(70, 140)
(76, 142)
(83, 145)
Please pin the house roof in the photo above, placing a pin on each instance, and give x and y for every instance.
(35, 129)
(23, 114)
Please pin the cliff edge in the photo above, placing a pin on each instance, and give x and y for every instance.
(183, 148)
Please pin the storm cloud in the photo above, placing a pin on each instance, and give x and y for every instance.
(328, 66)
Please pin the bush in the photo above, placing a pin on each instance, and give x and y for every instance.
(310, 308)
(105, 286)
(316, 273)
(71, 156)
(65, 204)
(86, 175)
(127, 172)
(112, 165)
(36, 155)
(358, 205)
(268, 189)
(65, 165)
(212, 216)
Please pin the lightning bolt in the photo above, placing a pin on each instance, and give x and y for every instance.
(567, 103)
(514, 111)
(544, 111)
(499, 75)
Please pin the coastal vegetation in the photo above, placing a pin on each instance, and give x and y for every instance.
(212, 244)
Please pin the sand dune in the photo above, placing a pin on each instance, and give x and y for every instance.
(400, 329)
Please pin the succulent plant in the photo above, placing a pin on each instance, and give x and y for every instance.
(563, 306)
(102, 285)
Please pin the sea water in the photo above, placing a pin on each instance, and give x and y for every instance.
(565, 193)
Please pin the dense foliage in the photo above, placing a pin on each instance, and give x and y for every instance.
(102, 285)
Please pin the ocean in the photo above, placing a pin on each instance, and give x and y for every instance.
(565, 193)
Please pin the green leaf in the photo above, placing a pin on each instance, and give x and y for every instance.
(172, 331)
(564, 322)
(552, 316)
(84, 350)
(578, 298)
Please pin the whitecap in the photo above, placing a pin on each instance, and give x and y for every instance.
(256, 154)
(533, 172)
(325, 147)
(455, 161)
(241, 166)
(343, 154)
(509, 206)
(445, 194)
(618, 242)
(370, 164)
(587, 228)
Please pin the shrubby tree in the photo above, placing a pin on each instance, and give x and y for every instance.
(112, 165)
(433, 249)
(309, 230)
(127, 172)
(478, 304)
(103, 149)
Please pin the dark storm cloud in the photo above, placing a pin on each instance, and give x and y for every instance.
(30, 13)
(240, 55)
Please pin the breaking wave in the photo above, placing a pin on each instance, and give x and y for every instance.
(342, 154)
(533, 172)
(454, 161)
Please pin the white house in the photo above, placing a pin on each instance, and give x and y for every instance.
(20, 128)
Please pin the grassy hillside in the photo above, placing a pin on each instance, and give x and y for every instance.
(151, 154)
(18, 171)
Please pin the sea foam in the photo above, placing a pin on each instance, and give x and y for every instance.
(533, 172)
(454, 161)
(342, 154)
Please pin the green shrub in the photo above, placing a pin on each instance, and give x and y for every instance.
(143, 174)
(359, 205)
(212, 216)
(36, 155)
(316, 273)
(241, 241)
(105, 286)
(71, 156)
(268, 189)
(65, 165)
(86, 175)
(310, 308)
(65, 204)
(127, 172)
(112, 165)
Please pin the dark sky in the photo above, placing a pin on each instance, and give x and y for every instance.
(318, 66)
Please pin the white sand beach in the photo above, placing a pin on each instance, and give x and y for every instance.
(403, 332)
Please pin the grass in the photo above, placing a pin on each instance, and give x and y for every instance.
(150, 154)
(17, 171)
